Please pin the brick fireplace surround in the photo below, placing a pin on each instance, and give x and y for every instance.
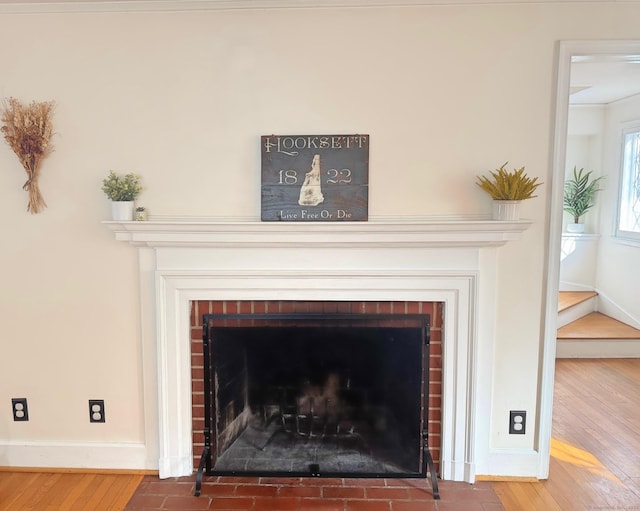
(410, 260)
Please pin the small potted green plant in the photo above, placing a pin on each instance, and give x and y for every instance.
(579, 196)
(122, 190)
(141, 213)
(508, 189)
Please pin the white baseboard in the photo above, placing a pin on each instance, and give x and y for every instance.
(611, 309)
(131, 456)
(510, 463)
(176, 466)
(573, 286)
(600, 348)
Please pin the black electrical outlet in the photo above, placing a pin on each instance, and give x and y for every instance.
(20, 410)
(96, 410)
(517, 422)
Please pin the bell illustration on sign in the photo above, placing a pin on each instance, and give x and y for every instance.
(311, 190)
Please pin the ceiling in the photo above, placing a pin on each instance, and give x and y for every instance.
(604, 79)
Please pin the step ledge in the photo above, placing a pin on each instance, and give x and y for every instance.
(575, 313)
(598, 339)
(598, 348)
(585, 296)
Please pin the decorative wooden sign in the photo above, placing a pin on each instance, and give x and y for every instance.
(315, 178)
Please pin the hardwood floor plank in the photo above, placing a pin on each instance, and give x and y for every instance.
(507, 494)
(597, 326)
(526, 496)
(594, 488)
(101, 495)
(125, 490)
(547, 501)
(40, 495)
(70, 489)
(564, 487)
(25, 485)
(60, 491)
(634, 485)
(628, 368)
(621, 457)
(8, 482)
(567, 299)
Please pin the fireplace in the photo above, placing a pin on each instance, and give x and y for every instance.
(316, 394)
(453, 262)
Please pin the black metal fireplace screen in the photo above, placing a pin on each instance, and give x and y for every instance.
(316, 395)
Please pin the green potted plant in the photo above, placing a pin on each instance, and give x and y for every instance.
(122, 190)
(141, 214)
(579, 195)
(508, 189)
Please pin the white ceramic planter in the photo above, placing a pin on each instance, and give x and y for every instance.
(575, 228)
(507, 210)
(122, 210)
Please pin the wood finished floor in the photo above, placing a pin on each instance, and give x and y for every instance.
(595, 465)
(567, 299)
(66, 491)
(597, 326)
(594, 325)
(595, 451)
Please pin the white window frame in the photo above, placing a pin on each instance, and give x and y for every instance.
(625, 235)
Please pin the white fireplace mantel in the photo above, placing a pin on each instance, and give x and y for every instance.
(411, 232)
(453, 261)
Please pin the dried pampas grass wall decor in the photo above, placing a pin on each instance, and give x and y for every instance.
(27, 129)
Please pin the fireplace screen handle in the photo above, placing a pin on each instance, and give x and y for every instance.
(430, 466)
(200, 473)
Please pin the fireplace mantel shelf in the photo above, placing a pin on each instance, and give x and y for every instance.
(397, 232)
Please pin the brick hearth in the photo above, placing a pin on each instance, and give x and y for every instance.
(309, 494)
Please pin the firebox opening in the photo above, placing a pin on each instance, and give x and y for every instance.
(318, 397)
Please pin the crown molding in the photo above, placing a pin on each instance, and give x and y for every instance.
(101, 6)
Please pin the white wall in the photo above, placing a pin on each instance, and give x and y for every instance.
(603, 262)
(618, 276)
(579, 256)
(445, 92)
(584, 150)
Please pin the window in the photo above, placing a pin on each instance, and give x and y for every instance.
(629, 212)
